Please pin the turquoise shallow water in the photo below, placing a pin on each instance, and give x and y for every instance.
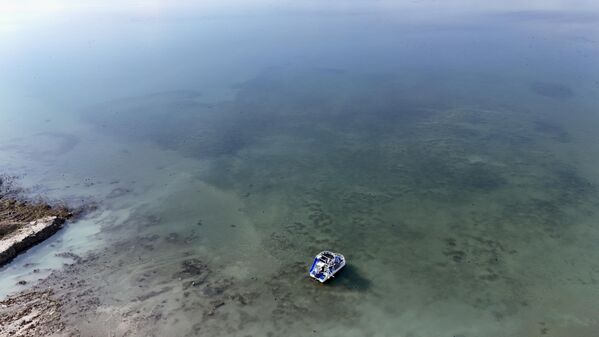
(447, 150)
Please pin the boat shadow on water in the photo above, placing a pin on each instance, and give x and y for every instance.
(350, 278)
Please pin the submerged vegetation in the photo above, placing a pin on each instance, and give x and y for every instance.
(445, 199)
(552, 90)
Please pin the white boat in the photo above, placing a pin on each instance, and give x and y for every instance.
(325, 265)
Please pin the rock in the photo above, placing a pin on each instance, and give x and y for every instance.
(214, 307)
(27, 236)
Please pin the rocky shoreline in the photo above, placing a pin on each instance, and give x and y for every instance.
(23, 224)
(27, 236)
(30, 313)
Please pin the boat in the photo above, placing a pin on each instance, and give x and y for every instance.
(326, 264)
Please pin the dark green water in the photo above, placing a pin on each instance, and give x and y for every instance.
(448, 151)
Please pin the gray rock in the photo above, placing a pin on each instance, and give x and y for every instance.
(27, 236)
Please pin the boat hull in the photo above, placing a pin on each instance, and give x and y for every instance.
(325, 265)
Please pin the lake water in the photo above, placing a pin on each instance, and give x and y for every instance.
(448, 149)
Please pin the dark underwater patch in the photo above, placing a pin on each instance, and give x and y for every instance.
(481, 177)
(569, 186)
(553, 131)
(552, 90)
(177, 121)
(342, 153)
(351, 278)
(450, 177)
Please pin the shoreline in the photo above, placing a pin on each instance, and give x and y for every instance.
(25, 223)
